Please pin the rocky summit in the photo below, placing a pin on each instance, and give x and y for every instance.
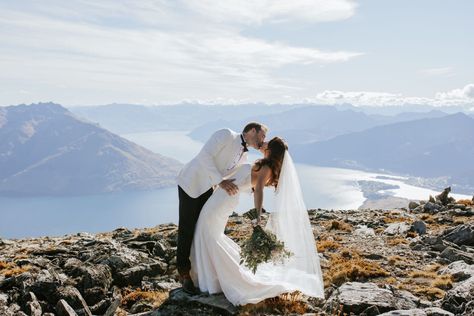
(417, 260)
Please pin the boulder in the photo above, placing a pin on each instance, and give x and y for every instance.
(134, 275)
(453, 254)
(431, 207)
(460, 235)
(368, 298)
(413, 205)
(74, 299)
(457, 300)
(397, 229)
(419, 227)
(459, 270)
(444, 197)
(33, 307)
(364, 231)
(431, 311)
(63, 309)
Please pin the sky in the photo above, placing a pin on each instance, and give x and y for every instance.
(373, 52)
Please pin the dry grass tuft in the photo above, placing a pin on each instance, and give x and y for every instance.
(394, 218)
(339, 225)
(390, 280)
(459, 220)
(4, 265)
(397, 241)
(428, 218)
(433, 267)
(465, 202)
(443, 282)
(343, 269)
(156, 298)
(324, 245)
(423, 274)
(9, 269)
(289, 303)
(432, 293)
(396, 261)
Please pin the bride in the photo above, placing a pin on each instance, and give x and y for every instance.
(215, 257)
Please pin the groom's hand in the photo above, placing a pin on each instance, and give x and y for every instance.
(229, 186)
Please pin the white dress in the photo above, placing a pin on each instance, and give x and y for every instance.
(215, 257)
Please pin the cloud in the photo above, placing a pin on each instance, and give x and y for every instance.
(155, 49)
(456, 97)
(260, 11)
(443, 71)
(466, 93)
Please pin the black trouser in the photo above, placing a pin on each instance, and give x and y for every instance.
(189, 210)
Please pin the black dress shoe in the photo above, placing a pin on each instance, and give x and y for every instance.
(188, 287)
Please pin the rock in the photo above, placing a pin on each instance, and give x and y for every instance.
(113, 307)
(95, 282)
(460, 235)
(166, 284)
(459, 206)
(419, 227)
(432, 207)
(101, 307)
(459, 212)
(63, 309)
(3, 299)
(397, 229)
(122, 233)
(217, 301)
(453, 254)
(134, 276)
(33, 307)
(358, 297)
(457, 299)
(73, 297)
(459, 270)
(431, 311)
(364, 231)
(140, 307)
(419, 209)
(43, 283)
(413, 205)
(405, 312)
(436, 311)
(444, 198)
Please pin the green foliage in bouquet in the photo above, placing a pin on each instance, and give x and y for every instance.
(262, 246)
(252, 213)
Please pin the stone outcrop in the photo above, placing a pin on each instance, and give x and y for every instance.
(417, 260)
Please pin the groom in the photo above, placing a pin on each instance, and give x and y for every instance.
(224, 151)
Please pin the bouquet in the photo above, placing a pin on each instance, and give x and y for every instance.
(261, 246)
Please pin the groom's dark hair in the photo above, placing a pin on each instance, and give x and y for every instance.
(255, 125)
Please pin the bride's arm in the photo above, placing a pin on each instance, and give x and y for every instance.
(263, 175)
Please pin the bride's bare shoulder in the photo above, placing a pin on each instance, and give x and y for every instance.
(261, 171)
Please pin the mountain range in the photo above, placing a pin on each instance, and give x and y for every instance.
(47, 150)
(312, 123)
(429, 147)
(130, 118)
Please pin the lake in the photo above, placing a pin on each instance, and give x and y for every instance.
(327, 188)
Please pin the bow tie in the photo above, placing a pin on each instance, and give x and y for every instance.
(244, 144)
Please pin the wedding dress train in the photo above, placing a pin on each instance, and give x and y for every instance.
(215, 257)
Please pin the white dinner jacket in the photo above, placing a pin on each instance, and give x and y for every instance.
(216, 161)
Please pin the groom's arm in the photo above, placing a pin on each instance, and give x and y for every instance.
(210, 150)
